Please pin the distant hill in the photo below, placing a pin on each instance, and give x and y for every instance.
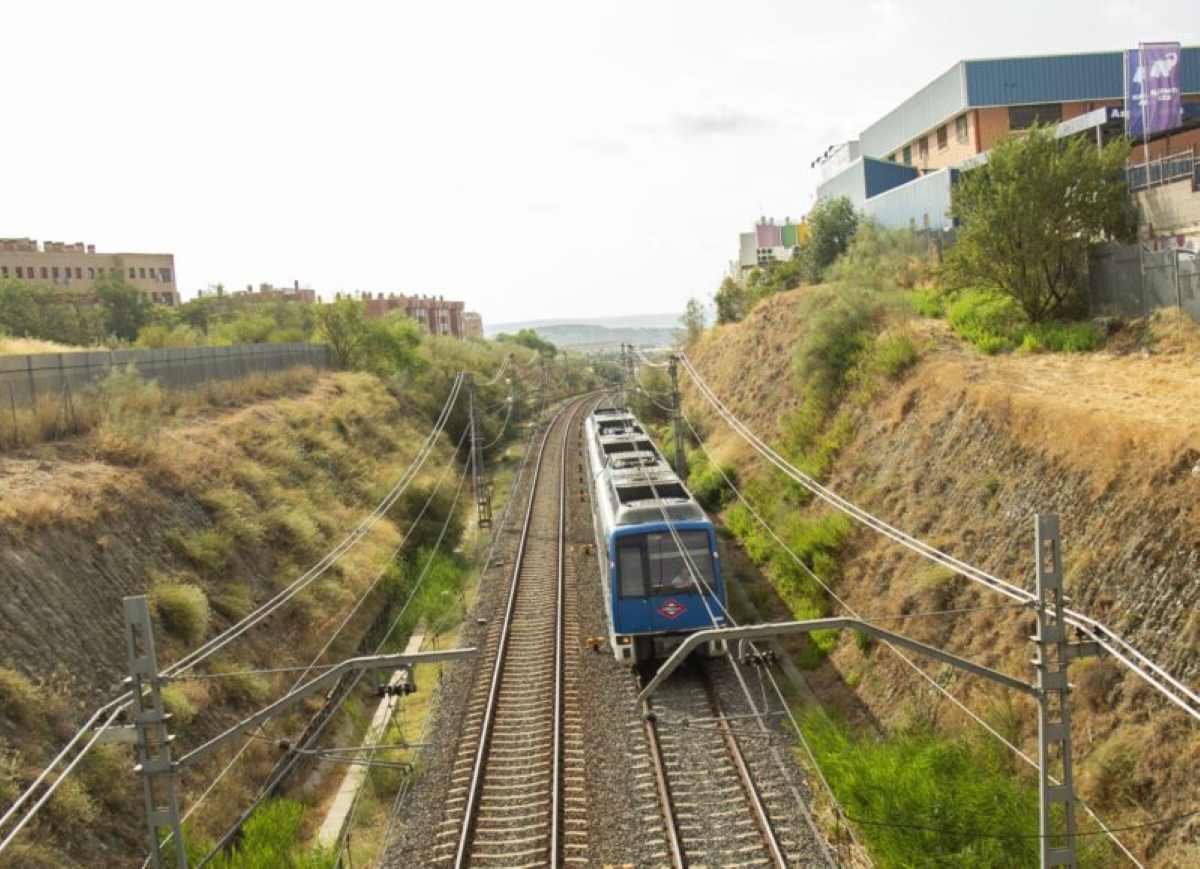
(601, 333)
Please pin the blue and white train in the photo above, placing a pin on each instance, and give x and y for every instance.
(653, 597)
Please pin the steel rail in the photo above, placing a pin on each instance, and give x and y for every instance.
(558, 723)
(475, 788)
(666, 803)
(761, 817)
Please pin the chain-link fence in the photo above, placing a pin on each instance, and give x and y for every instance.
(1126, 281)
(24, 380)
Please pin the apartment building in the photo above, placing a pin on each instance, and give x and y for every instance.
(769, 242)
(75, 267)
(472, 325)
(434, 313)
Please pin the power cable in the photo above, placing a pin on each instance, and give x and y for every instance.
(1121, 649)
(270, 785)
(902, 655)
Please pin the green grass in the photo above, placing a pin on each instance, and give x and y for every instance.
(994, 323)
(895, 787)
(208, 550)
(707, 483)
(271, 839)
(20, 700)
(894, 354)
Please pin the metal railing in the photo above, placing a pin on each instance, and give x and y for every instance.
(1164, 170)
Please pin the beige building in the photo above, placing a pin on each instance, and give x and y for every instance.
(76, 266)
(472, 325)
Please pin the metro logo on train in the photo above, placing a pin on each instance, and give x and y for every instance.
(672, 608)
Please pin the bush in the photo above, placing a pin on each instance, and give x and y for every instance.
(183, 610)
(928, 302)
(179, 704)
(209, 550)
(241, 689)
(995, 323)
(838, 331)
(10, 770)
(71, 807)
(20, 700)
(919, 779)
(132, 411)
(895, 353)
(270, 839)
(883, 259)
(707, 482)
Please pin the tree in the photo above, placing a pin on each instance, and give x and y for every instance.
(692, 321)
(126, 308)
(831, 225)
(731, 301)
(531, 339)
(1028, 216)
(386, 346)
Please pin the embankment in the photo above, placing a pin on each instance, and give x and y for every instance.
(962, 450)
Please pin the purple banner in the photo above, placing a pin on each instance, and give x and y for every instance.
(1153, 101)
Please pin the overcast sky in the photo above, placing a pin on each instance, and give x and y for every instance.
(534, 159)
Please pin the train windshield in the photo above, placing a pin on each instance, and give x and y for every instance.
(651, 564)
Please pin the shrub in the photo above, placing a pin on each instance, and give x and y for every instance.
(987, 319)
(270, 838)
(10, 767)
(928, 303)
(895, 353)
(132, 412)
(293, 526)
(234, 602)
(838, 331)
(707, 482)
(71, 806)
(20, 700)
(882, 259)
(1108, 779)
(179, 704)
(1061, 338)
(183, 610)
(209, 550)
(239, 688)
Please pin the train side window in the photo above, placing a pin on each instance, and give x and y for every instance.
(631, 568)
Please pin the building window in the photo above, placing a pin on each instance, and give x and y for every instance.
(923, 149)
(132, 273)
(3, 271)
(19, 274)
(1024, 117)
(943, 137)
(79, 272)
(141, 273)
(892, 157)
(45, 273)
(91, 271)
(166, 275)
(54, 272)
(960, 129)
(907, 155)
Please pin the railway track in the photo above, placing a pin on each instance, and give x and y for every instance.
(517, 795)
(718, 807)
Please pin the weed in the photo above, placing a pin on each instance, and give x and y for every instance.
(707, 482)
(235, 513)
(836, 335)
(906, 782)
(209, 550)
(927, 303)
(270, 838)
(10, 766)
(241, 689)
(20, 700)
(105, 772)
(293, 527)
(894, 354)
(1108, 778)
(71, 806)
(179, 704)
(988, 319)
(131, 416)
(183, 610)
(234, 601)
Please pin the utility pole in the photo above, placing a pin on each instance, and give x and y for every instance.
(157, 769)
(481, 487)
(624, 378)
(1056, 801)
(681, 467)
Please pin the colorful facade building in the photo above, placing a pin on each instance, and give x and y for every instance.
(769, 242)
(908, 160)
(75, 267)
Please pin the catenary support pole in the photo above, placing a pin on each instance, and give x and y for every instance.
(681, 466)
(1056, 801)
(155, 765)
(480, 486)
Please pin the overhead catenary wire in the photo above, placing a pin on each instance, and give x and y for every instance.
(1141, 665)
(901, 654)
(216, 643)
(270, 785)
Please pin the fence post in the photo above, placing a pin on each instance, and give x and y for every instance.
(32, 384)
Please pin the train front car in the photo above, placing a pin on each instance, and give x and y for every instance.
(661, 574)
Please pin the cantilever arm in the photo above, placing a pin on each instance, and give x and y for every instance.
(368, 662)
(775, 629)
